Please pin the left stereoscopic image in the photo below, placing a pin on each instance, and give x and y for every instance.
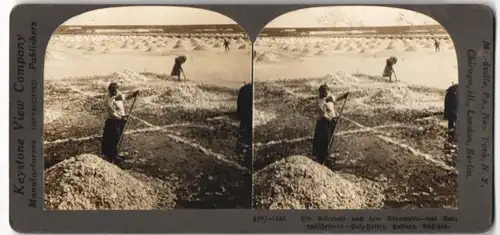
(147, 108)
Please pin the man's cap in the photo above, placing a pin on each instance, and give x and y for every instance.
(323, 88)
(113, 85)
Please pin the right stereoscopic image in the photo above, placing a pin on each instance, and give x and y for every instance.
(355, 107)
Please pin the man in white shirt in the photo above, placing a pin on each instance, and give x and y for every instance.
(325, 123)
(115, 122)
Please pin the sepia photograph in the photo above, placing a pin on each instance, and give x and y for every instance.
(355, 107)
(148, 108)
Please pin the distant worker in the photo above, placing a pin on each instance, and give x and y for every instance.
(389, 68)
(113, 127)
(436, 45)
(244, 110)
(450, 111)
(177, 69)
(226, 44)
(326, 122)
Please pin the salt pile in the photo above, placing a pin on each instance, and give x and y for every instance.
(179, 47)
(186, 95)
(261, 117)
(339, 47)
(320, 53)
(267, 57)
(297, 182)
(365, 51)
(394, 95)
(411, 49)
(240, 41)
(127, 76)
(200, 48)
(341, 78)
(87, 182)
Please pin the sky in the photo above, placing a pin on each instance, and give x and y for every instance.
(337, 16)
(149, 15)
(344, 16)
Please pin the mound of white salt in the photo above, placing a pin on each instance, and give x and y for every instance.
(333, 80)
(187, 95)
(267, 58)
(365, 51)
(320, 53)
(127, 76)
(87, 182)
(393, 95)
(297, 182)
(262, 117)
(150, 49)
(411, 49)
(240, 41)
(179, 47)
(200, 48)
(105, 50)
(339, 47)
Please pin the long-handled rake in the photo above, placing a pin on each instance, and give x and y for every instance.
(184, 75)
(126, 124)
(337, 125)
